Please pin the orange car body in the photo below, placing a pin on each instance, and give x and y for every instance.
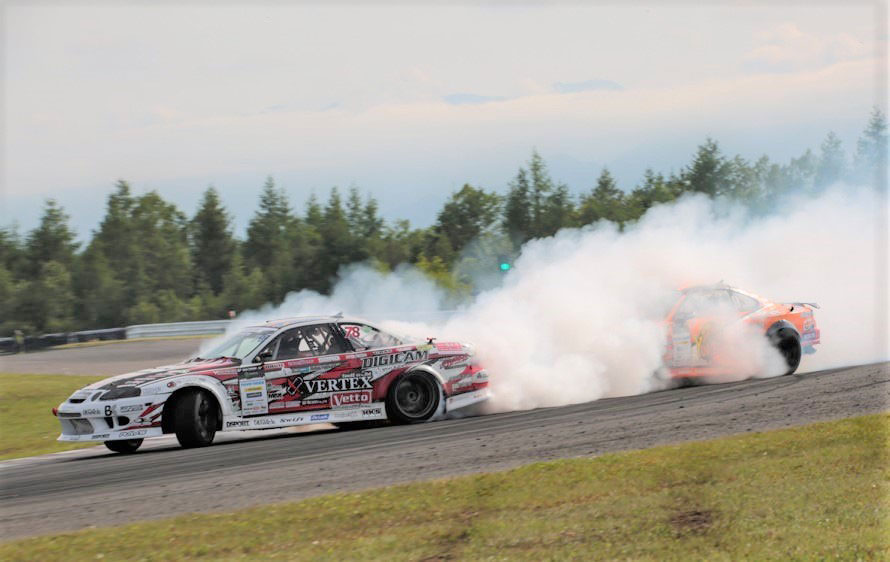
(694, 348)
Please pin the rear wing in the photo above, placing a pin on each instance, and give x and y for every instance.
(809, 304)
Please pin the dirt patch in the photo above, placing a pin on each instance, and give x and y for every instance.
(693, 522)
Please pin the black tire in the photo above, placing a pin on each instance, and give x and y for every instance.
(412, 398)
(786, 341)
(195, 418)
(125, 446)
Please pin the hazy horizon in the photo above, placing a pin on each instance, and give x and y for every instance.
(408, 103)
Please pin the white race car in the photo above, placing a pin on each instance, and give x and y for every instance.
(283, 373)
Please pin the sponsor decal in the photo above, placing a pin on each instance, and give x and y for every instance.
(319, 417)
(264, 422)
(92, 412)
(315, 386)
(349, 414)
(454, 362)
(290, 419)
(449, 346)
(345, 399)
(254, 399)
(100, 436)
(238, 423)
(134, 433)
(252, 371)
(130, 408)
(371, 412)
(393, 358)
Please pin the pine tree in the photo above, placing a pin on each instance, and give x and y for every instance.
(12, 253)
(742, 180)
(335, 237)
(267, 231)
(558, 211)
(466, 214)
(832, 162)
(268, 242)
(871, 151)
(517, 209)
(707, 173)
(118, 243)
(606, 201)
(164, 260)
(541, 186)
(654, 190)
(212, 244)
(52, 240)
(99, 295)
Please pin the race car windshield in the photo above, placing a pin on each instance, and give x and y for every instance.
(239, 345)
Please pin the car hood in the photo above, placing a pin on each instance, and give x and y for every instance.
(147, 376)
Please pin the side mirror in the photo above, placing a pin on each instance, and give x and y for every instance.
(263, 356)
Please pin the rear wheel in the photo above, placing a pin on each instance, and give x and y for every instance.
(195, 419)
(786, 341)
(413, 397)
(124, 445)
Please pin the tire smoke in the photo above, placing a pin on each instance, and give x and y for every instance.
(581, 315)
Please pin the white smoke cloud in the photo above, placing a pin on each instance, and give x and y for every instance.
(581, 315)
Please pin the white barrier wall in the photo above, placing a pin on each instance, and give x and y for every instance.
(200, 328)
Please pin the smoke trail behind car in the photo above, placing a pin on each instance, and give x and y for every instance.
(580, 316)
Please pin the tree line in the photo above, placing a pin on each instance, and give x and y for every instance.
(150, 262)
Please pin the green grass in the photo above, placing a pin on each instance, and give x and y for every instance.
(813, 492)
(27, 426)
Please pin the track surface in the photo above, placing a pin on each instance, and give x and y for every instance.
(71, 491)
(108, 359)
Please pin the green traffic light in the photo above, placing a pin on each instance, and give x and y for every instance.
(505, 266)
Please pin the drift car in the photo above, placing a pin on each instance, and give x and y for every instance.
(284, 373)
(700, 323)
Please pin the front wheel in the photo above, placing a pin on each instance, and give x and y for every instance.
(195, 419)
(124, 446)
(413, 397)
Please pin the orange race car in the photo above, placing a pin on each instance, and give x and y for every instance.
(719, 331)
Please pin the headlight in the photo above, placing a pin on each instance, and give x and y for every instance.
(122, 392)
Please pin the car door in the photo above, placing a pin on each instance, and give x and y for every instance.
(696, 324)
(304, 368)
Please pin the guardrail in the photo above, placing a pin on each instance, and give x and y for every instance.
(197, 328)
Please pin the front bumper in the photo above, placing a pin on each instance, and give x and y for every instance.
(126, 418)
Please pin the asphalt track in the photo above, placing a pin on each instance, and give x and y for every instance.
(70, 491)
(107, 359)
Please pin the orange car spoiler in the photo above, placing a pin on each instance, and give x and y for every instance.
(809, 304)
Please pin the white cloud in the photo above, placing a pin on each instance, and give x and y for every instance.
(786, 48)
(200, 94)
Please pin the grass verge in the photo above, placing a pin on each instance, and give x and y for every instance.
(812, 492)
(27, 426)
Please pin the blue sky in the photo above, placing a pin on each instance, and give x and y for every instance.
(408, 103)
